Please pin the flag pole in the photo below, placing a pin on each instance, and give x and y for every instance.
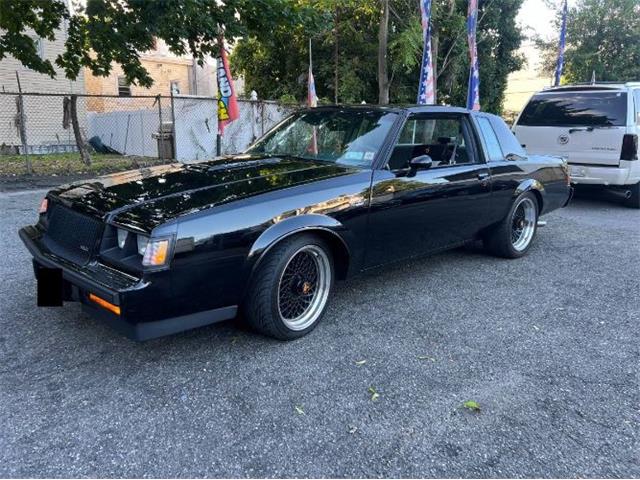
(561, 46)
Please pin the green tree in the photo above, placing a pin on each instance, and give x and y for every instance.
(603, 36)
(106, 31)
(346, 37)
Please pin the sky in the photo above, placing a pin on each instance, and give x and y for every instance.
(539, 18)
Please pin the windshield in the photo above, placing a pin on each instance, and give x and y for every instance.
(576, 109)
(349, 137)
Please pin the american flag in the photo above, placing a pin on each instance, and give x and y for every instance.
(561, 47)
(312, 98)
(426, 89)
(473, 94)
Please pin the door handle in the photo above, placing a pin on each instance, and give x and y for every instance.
(483, 175)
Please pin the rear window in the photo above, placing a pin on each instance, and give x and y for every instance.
(576, 109)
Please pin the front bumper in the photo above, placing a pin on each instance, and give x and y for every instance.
(132, 295)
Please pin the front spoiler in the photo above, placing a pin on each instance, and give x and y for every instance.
(117, 288)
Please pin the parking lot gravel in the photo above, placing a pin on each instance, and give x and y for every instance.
(547, 345)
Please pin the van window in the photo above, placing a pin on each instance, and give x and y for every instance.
(636, 94)
(575, 109)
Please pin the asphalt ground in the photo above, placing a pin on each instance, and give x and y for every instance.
(547, 345)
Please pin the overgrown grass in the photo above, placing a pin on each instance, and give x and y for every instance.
(71, 164)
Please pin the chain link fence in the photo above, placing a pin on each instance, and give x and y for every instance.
(182, 128)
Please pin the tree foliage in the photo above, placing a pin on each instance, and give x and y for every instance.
(603, 36)
(275, 65)
(107, 31)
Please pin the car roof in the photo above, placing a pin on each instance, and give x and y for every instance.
(586, 87)
(394, 108)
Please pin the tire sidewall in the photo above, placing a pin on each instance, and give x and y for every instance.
(514, 252)
(285, 254)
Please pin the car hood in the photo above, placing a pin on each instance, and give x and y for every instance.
(145, 198)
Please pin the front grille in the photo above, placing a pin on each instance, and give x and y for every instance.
(72, 235)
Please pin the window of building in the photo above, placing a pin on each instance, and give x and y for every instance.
(39, 44)
(175, 87)
(124, 89)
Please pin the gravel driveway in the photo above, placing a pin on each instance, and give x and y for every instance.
(548, 345)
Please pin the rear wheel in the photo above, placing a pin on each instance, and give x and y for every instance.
(513, 236)
(634, 200)
(290, 290)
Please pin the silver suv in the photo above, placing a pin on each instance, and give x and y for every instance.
(595, 127)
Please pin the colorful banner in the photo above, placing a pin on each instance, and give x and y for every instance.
(228, 110)
(312, 98)
(426, 88)
(473, 93)
(561, 46)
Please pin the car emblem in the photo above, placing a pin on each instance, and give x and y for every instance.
(563, 139)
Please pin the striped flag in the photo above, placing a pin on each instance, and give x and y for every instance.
(473, 94)
(562, 44)
(312, 98)
(426, 89)
(228, 110)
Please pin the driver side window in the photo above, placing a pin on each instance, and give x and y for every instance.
(441, 137)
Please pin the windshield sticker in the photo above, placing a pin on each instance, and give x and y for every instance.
(354, 155)
(369, 155)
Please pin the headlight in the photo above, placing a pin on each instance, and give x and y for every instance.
(143, 240)
(156, 253)
(122, 237)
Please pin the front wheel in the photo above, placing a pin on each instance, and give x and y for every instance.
(289, 292)
(513, 236)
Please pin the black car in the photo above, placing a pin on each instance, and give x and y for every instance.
(328, 193)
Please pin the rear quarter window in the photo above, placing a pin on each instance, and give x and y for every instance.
(575, 109)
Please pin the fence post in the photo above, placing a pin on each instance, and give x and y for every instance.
(173, 127)
(23, 127)
(160, 132)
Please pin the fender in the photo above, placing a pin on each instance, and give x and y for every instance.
(291, 226)
(532, 185)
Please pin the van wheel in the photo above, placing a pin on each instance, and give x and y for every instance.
(634, 200)
(513, 236)
(289, 292)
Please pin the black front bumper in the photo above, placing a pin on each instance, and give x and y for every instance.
(129, 293)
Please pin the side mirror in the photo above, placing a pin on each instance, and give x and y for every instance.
(423, 162)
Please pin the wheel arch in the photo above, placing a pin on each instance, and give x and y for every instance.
(534, 186)
(328, 228)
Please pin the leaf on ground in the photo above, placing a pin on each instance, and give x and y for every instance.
(352, 429)
(299, 410)
(360, 362)
(426, 357)
(234, 340)
(471, 405)
(374, 394)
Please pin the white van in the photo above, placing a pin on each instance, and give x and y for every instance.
(595, 127)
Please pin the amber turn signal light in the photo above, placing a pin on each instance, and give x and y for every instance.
(104, 304)
(156, 254)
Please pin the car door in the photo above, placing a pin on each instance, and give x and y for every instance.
(413, 212)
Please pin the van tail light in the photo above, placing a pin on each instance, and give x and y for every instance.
(629, 147)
